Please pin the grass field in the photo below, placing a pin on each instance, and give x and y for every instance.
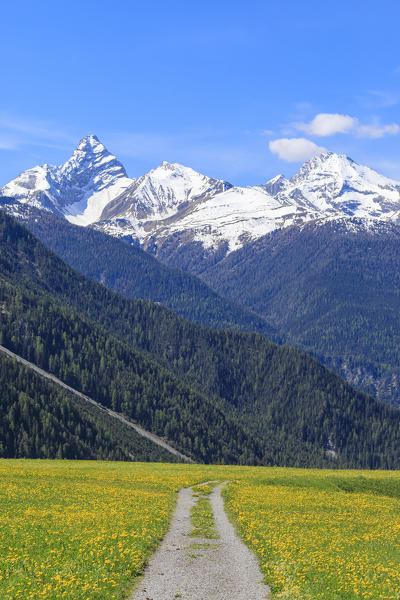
(322, 534)
(84, 530)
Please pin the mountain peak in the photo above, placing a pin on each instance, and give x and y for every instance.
(274, 185)
(90, 143)
(328, 162)
(172, 172)
(164, 192)
(92, 138)
(176, 167)
(91, 159)
(340, 166)
(326, 156)
(79, 189)
(167, 166)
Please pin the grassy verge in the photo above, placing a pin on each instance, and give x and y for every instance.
(203, 520)
(204, 489)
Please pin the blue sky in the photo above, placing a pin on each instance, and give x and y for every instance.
(237, 90)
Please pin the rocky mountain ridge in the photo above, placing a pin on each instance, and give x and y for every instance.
(174, 204)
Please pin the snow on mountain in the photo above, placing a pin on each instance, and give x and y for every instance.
(34, 186)
(91, 178)
(174, 201)
(79, 189)
(333, 183)
(236, 216)
(165, 193)
(329, 186)
(274, 185)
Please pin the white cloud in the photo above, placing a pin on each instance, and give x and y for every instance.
(325, 124)
(294, 149)
(374, 132)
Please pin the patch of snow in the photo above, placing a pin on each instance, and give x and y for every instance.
(238, 212)
(88, 210)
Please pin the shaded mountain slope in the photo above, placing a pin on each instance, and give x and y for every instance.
(41, 420)
(134, 273)
(222, 396)
(333, 289)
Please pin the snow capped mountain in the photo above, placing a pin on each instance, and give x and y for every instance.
(333, 183)
(174, 202)
(167, 191)
(236, 216)
(34, 187)
(329, 186)
(91, 178)
(162, 192)
(79, 189)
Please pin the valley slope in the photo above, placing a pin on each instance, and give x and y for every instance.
(332, 289)
(222, 396)
(133, 273)
(41, 420)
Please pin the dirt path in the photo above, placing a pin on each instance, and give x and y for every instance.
(201, 569)
(147, 434)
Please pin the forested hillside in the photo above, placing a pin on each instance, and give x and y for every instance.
(41, 420)
(135, 274)
(90, 360)
(222, 396)
(332, 291)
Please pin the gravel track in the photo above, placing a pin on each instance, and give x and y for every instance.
(223, 569)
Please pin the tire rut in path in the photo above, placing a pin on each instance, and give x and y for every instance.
(193, 568)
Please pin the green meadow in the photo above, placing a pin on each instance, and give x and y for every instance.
(84, 530)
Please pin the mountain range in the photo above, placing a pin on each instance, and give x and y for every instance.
(175, 205)
(311, 261)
